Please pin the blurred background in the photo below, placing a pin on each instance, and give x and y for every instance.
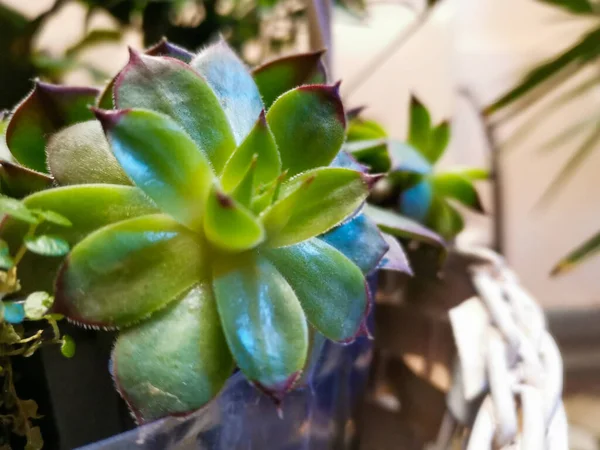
(458, 56)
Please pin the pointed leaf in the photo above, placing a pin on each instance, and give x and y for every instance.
(46, 110)
(162, 161)
(276, 77)
(80, 154)
(52, 217)
(171, 87)
(440, 137)
(105, 99)
(166, 48)
(259, 142)
(46, 245)
(229, 225)
(395, 258)
(330, 288)
(470, 173)
(263, 322)
(419, 130)
(309, 126)
(451, 185)
(402, 227)
(175, 362)
(313, 203)
(359, 240)
(415, 201)
(233, 85)
(79, 205)
(586, 250)
(18, 181)
(124, 272)
(244, 191)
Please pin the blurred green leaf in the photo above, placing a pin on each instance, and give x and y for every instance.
(403, 227)
(419, 131)
(6, 261)
(17, 210)
(452, 185)
(363, 130)
(52, 217)
(67, 347)
(585, 50)
(372, 153)
(440, 137)
(574, 162)
(579, 255)
(92, 39)
(445, 219)
(47, 245)
(573, 6)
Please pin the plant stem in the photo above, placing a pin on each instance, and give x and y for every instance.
(23, 249)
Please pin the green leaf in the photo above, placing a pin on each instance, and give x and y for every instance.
(402, 227)
(80, 154)
(37, 305)
(440, 137)
(18, 181)
(448, 184)
(359, 240)
(67, 347)
(78, 204)
(309, 127)
(229, 225)
(259, 142)
(276, 77)
(244, 191)
(575, 161)
(45, 111)
(586, 250)
(124, 272)
(445, 219)
(419, 131)
(372, 153)
(573, 6)
(6, 261)
(365, 130)
(233, 85)
(330, 288)
(52, 217)
(105, 99)
(47, 245)
(17, 210)
(583, 51)
(313, 203)
(173, 88)
(470, 173)
(176, 362)
(162, 161)
(94, 38)
(263, 321)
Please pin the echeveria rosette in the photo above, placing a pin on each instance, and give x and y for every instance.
(225, 231)
(423, 193)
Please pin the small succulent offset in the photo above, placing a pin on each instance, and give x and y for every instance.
(214, 219)
(412, 186)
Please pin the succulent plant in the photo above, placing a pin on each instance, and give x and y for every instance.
(413, 186)
(214, 219)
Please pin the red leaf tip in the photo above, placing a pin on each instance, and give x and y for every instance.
(224, 200)
(108, 118)
(134, 56)
(262, 118)
(277, 392)
(371, 180)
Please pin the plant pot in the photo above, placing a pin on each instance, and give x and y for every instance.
(414, 351)
(318, 414)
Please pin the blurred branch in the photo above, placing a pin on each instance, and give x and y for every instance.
(319, 27)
